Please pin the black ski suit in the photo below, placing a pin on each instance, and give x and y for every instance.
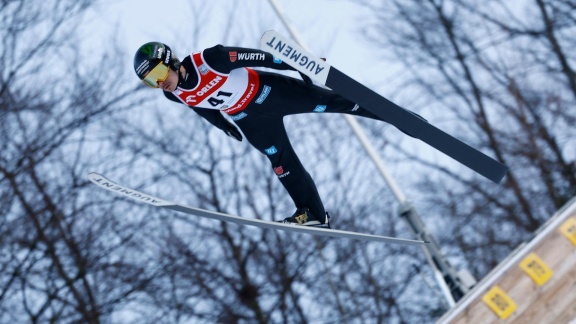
(218, 80)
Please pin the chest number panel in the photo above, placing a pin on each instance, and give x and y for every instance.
(214, 101)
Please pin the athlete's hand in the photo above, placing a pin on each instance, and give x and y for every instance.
(306, 79)
(233, 132)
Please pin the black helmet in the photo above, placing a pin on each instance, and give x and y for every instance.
(150, 55)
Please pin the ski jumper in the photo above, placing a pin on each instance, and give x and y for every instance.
(219, 80)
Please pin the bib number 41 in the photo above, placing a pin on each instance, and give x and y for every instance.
(214, 101)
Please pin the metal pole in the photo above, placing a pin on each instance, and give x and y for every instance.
(448, 280)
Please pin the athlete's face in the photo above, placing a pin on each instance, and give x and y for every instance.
(170, 83)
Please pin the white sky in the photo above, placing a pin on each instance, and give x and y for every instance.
(330, 28)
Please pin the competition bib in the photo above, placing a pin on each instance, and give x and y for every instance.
(226, 92)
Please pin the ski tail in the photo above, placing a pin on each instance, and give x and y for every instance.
(405, 120)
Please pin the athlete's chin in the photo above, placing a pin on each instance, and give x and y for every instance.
(169, 88)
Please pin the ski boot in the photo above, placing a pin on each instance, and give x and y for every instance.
(303, 216)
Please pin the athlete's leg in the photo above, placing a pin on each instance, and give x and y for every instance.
(268, 135)
(289, 96)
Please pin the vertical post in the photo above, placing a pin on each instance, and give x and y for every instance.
(449, 282)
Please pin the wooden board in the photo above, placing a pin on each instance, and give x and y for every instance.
(553, 300)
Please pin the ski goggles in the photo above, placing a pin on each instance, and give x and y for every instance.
(158, 74)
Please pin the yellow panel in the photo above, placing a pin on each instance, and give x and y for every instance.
(536, 269)
(499, 302)
(569, 229)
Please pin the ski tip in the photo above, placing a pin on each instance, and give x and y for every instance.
(107, 184)
(93, 175)
(269, 34)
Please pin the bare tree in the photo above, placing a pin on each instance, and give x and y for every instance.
(71, 253)
(500, 76)
(56, 259)
(228, 273)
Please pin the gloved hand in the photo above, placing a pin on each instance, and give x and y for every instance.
(306, 79)
(233, 132)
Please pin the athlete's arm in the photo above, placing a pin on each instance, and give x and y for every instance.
(225, 59)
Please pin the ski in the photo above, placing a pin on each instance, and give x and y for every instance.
(410, 123)
(116, 188)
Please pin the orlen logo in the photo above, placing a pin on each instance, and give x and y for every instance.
(209, 86)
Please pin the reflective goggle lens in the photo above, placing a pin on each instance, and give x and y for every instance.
(158, 74)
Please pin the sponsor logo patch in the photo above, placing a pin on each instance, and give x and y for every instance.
(264, 94)
(280, 172)
(143, 68)
(203, 69)
(320, 108)
(277, 60)
(167, 60)
(239, 116)
(190, 99)
(251, 56)
(271, 150)
(159, 52)
(233, 56)
(296, 55)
